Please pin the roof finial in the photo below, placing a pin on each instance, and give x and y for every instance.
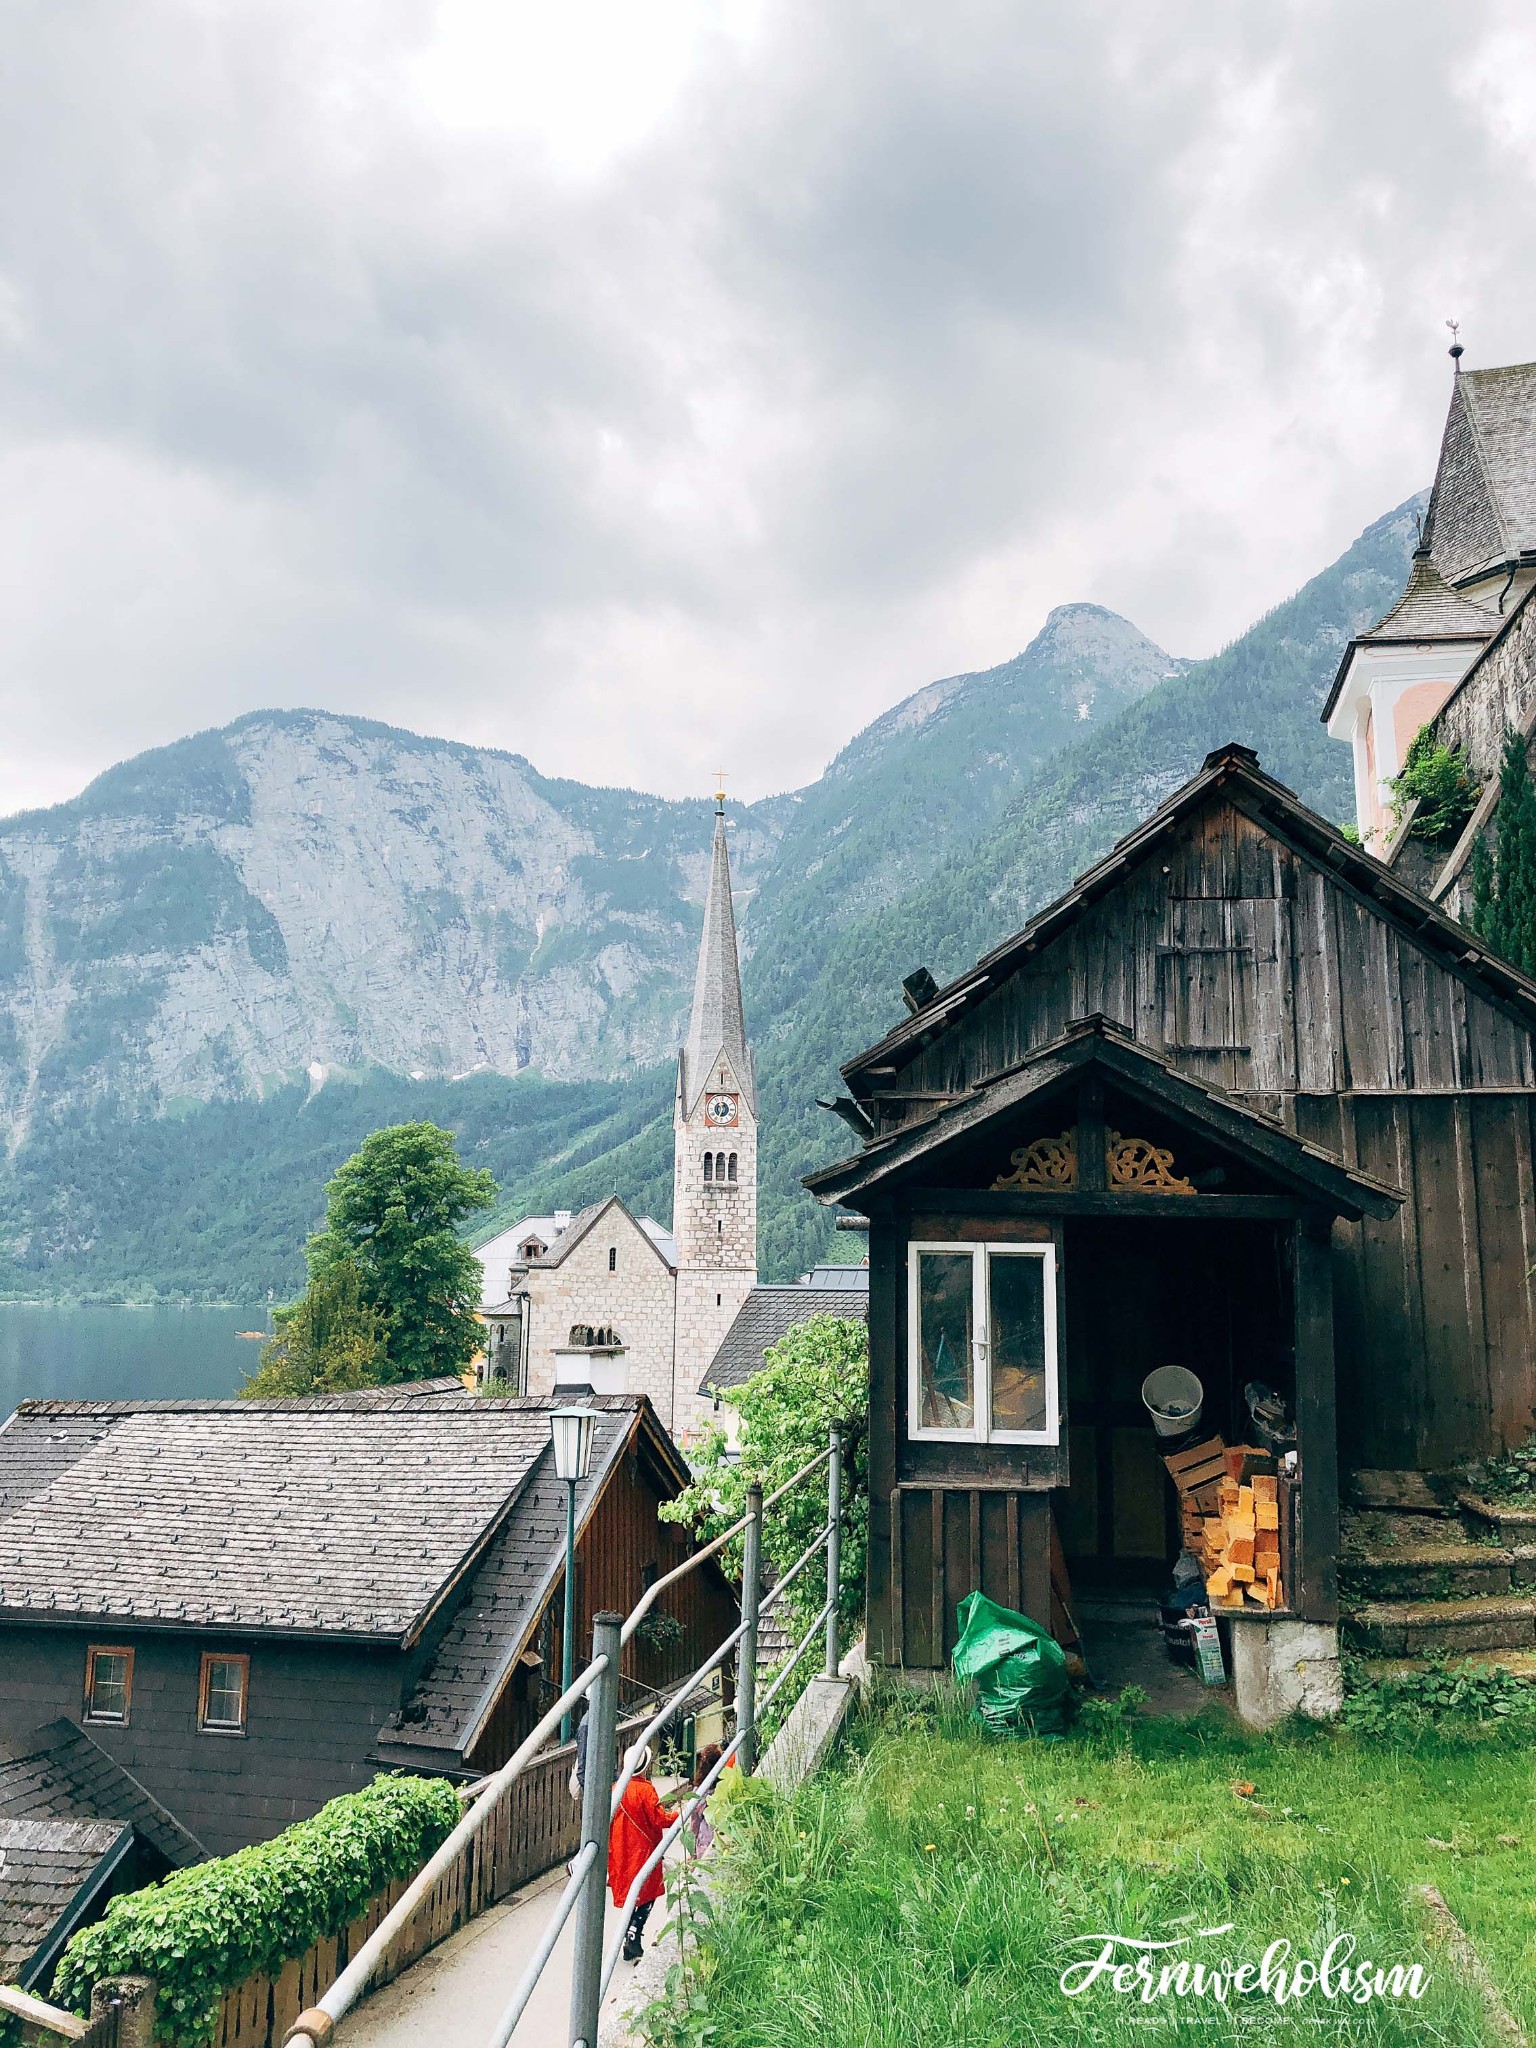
(719, 792)
(1457, 350)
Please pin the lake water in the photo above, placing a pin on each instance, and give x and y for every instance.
(122, 1354)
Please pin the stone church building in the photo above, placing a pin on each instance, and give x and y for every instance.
(600, 1299)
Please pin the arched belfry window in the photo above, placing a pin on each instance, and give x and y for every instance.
(709, 1165)
(719, 1166)
(730, 1167)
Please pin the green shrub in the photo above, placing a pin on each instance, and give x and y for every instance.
(206, 1929)
(1455, 1697)
(1435, 777)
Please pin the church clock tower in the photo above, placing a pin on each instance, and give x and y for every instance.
(714, 1170)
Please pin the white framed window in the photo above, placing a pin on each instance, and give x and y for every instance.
(981, 1344)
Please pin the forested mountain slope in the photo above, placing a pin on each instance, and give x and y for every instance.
(230, 959)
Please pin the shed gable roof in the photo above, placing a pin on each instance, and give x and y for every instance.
(1231, 773)
(1290, 1162)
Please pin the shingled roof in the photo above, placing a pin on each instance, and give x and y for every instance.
(1427, 610)
(57, 1772)
(49, 1870)
(1482, 514)
(766, 1318)
(343, 1516)
(448, 1706)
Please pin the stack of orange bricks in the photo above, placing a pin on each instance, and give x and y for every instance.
(1231, 1524)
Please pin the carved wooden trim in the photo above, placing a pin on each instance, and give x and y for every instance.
(1047, 1163)
(1131, 1166)
(1135, 1165)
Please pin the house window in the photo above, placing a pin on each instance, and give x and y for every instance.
(221, 1695)
(108, 1684)
(613, 1258)
(982, 1363)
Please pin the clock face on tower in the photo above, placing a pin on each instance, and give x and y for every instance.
(720, 1111)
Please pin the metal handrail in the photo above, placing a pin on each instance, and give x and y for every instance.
(700, 1792)
(318, 2024)
(604, 1788)
(642, 1607)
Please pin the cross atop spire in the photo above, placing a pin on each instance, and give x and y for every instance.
(717, 1025)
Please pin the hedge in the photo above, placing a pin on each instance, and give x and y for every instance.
(202, 1931)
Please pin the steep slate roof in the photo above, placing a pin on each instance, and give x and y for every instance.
(766, 1317)
(1234, 771)
(451, 1700)
(347, 1515)
(1427, 610)
(58, 1773)
(45, 1865)
(716, 1023)
(1307, 1169)
(1482, 513)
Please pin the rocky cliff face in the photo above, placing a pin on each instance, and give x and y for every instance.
(307, 895)
(303, 894)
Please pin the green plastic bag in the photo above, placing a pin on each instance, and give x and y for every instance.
(1020, 1669)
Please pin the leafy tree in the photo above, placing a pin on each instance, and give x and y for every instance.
(1436, 778)
(329, 1341)
(1504, 882)
(393, 1212)
(818, 1375)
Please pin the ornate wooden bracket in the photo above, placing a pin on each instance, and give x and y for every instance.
(1137, 1165)
(1047, 1163)
(1131, 1166)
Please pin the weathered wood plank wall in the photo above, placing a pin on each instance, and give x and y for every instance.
(1246, 965)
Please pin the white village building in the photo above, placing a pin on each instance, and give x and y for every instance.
(604, 1300)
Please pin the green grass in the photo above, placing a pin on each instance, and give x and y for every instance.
(926, 1889)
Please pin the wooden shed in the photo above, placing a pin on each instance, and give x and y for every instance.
(1241, 1101)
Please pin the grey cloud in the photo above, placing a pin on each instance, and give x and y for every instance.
(902, 325)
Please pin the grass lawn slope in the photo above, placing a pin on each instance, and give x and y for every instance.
(934, 1885)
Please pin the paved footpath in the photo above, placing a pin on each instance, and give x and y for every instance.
(456, 1993)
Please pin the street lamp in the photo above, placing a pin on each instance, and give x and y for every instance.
(570, 1431)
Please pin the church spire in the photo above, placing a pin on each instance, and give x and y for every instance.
(717, 1024)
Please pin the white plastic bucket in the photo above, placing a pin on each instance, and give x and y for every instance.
(1173, 1397)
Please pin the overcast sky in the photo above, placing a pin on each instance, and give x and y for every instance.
(649, 385)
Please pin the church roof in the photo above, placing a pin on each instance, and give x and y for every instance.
(1482, 514)
(565, 1240)
(1427, 610)
(717, 1024)
(768, 1315)
(1430, 610)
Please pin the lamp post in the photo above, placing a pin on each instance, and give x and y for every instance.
(570, 1431)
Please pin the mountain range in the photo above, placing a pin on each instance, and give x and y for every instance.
(228, 959)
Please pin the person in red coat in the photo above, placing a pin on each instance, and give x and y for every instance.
(639, 1824)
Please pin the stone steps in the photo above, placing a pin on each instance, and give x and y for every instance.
(1401, 1492)
(1410, 1628)
(1428, 1571)
(1514, 1526)
(1519, 1663)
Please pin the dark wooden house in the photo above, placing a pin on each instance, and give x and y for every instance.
(254, 1606)
(1241, 1101)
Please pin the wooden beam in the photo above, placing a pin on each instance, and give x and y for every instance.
(1316, 1596)
(1127, 1206)
(1092, 1174)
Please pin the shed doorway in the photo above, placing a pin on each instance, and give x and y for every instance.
(1216, 1297)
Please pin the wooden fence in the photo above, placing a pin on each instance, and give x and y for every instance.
(536, 1825)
